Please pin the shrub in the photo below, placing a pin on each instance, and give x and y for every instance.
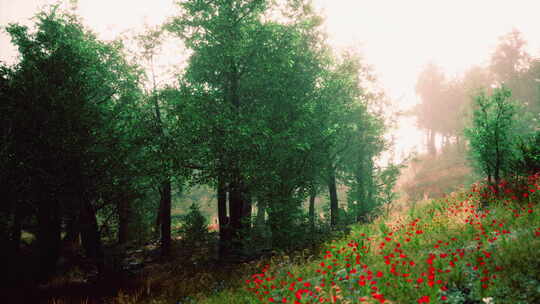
(193, 225)
(528, 161)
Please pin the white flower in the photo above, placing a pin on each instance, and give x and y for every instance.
(488, 300)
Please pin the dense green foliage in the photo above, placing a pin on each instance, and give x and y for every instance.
(96, 148)
(490, 136)
(278, 112)
(194, 226)
(66, 107)
(502, 145)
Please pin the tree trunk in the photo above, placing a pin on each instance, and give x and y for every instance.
(72, 229)
(498, 164)
(246, 211)
(360, 198)
(48, 236)
(91, 239)
(123, 221)
(165, 214)
(157, 224)
(261, 213)
(236, 208)
(164, 218)
(370, 195)
(312, 196)
(497, 182)
(224, 230)
(334, 206)
(278, 215)
(17, 229)
(432, 150)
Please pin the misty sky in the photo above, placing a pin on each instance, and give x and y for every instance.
(398, 38)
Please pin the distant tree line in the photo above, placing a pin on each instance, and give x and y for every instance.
(446, 103)
(496, 108)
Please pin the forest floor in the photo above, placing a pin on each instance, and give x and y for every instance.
(142, 276)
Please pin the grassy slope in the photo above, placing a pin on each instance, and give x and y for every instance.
(446, 251)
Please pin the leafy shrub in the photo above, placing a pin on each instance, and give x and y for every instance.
(528, 161)
(194, 227)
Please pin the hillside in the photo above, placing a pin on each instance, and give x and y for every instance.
(431, 176)
(446, 251)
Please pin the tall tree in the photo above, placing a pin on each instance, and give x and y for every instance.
(257, 124)
(150, 42)
(215, 31)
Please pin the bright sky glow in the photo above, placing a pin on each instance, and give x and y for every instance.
(398, 38)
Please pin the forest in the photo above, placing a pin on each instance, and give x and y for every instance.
(261, 170)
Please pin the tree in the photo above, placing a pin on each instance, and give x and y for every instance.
(491, 134)
(237, 87)
(359, 165)
(528, 160)
(264, 138)
(150, 42)
(388, 178)
(215, 31)
(510, 57)
(343, 118)
(70, 101)
(513, 67)
(532, 84)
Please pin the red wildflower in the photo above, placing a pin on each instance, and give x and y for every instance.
(379, 297)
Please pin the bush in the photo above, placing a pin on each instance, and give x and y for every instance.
(528, 161)
(193, 226)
